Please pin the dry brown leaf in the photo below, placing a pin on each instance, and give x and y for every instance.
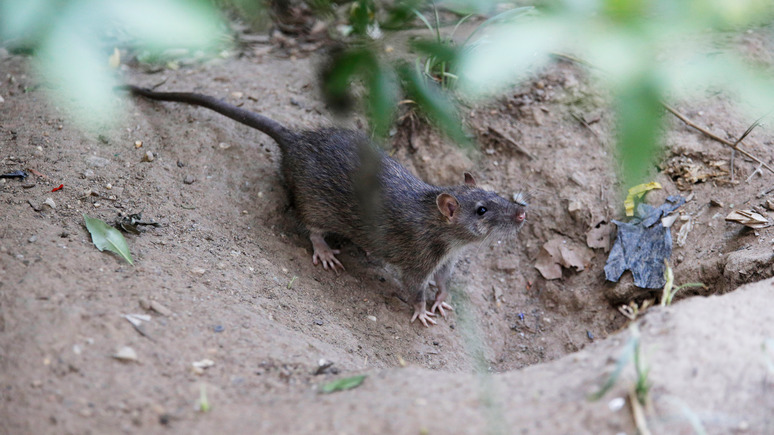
(557, 253)
(748, 218)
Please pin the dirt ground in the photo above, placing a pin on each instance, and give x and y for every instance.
(232, 280)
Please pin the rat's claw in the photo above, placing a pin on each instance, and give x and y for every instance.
(441, 306)
(424, 316)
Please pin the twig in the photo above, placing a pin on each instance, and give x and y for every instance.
(504, 137)
(586, 124)
(716, 137)
(756, 171)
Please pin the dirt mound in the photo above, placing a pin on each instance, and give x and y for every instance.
(241, 290)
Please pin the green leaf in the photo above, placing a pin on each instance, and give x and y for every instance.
(639, 126)
(442, 51)
(382, 98)
(343, 384)
(106, 237)
(435, 104)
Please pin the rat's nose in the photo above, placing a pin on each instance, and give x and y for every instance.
(520, 216)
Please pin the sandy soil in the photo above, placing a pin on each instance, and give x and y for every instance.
(520, 354)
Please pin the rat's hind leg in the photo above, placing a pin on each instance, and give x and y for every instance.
(323, 253)
(441, 279)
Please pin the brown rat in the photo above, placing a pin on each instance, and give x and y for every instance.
(341, 183)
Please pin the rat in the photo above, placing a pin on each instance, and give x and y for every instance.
(340, 182)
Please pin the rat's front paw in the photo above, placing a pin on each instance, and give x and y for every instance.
(424, 316)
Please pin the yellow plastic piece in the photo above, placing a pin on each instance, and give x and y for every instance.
(638, 192)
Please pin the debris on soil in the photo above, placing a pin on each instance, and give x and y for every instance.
(106, 237)
(748, 218)
(148, 157)
(685, 172)
(642, 245)
(60, 187)
(598, 237)
(343, 384)
(49, 202)
(200, 366)
(323, 366)
(161, 309)
(636, 193)
(130, 223)
(126, 354)
(556, 253)
(15, 174)
(136, 321)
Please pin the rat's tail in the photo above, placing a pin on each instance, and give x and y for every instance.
(282, 135)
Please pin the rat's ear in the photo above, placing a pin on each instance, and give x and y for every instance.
(448, 205)
(469, 180)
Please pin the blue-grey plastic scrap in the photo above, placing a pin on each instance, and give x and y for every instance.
(642, 245)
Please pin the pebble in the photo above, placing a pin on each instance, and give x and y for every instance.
(189, 179)
(218, 328)
(96, 161)
(126, 353)
(32, 239)
(50, 202)
(199, 271)
(224, 145)
(161, 309)
(372, 318)
(148, 157)
(138, 144)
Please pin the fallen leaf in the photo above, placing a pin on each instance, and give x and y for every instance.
(343, 384)
(106, 237)
(748, 218)
(557, 253)
(599, 237)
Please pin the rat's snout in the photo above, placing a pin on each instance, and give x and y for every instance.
(520, 216)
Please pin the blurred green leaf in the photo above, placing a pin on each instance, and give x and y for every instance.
(639, 127)
(383, 98)
(434, 103)
(106, 237)
(401, 14)
(443, 52)
(343, 384)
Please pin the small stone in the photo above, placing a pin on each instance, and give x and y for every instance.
(770, 204)
(126, 353)
(203, 364)
(237, 94)
(199, 271)
(507, 264)
(108, 186)
(50, 202)
(144, 304)
(25, 185)
(97, 162)
(189, 179)
(224, 145)
(138, 144)
(372, 318)
(148, 157)
(32, 239)
(218, 328)
(161, 309)
(716, 203)
(318, 322)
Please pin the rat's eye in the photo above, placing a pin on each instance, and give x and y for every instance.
(481, 210)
